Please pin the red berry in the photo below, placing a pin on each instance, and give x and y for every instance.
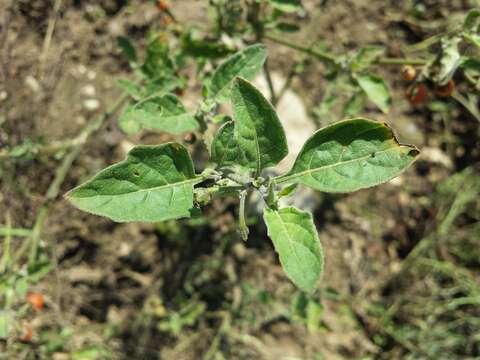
(445, 90)
(409, 73)
(36, 300)
(416, 94)
(162, 5)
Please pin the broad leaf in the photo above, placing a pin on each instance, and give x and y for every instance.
(225, 150)
(153, 183)
(245, 63)
(287, 6)
(295, 239)
(376, 90)
(165, 113)
(350, 155)
(366, 56)
(258, 131)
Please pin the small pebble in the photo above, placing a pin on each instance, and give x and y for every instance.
(88, 90)
(91, 104)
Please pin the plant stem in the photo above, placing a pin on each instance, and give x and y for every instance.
(6, 245)
(54, 188)
(400, 61)
(7, 231)
(268, 77)
(320, 55)
(243, 228)
(328, 58)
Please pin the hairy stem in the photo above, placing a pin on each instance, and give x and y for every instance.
(243, 228)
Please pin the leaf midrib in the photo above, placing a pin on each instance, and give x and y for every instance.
(285, 178)
(166, 186)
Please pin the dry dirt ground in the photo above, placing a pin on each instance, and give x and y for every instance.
(117, 285)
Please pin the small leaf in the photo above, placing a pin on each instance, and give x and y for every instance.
(199, 48)
(286, 27)
(245, 63)
(471, 20)
(449, 60)
(130, 88)
(127, 49)
(157, 63)
(365, 57)
(165, 113)
(355, 104)
(154, 183)
(287, 190)
(296, 241)
(350, 155)
(225, 150)
(376, 90)
(287, 6)
(258, 131)
(473, 38)
(471, 66)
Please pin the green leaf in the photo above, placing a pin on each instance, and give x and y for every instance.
(154, 183)
(245, 63)
(286, 27)
(376, 90)
(471, 20)
(225, 150)
(355, 104)
(449, 60)
(473, 38)
(258, 131)
(130, 88)
(198, 48)
(365, 57)
(127, 49)
(295, 239)
(157, 63)
(165, 113)
(471, 66)
(350, 155)
(287, 6)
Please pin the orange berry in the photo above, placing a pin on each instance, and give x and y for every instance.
(162, 5)
(408, 73)
(27, 334)
(36, 300)
(416, 94)
(445, 90)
